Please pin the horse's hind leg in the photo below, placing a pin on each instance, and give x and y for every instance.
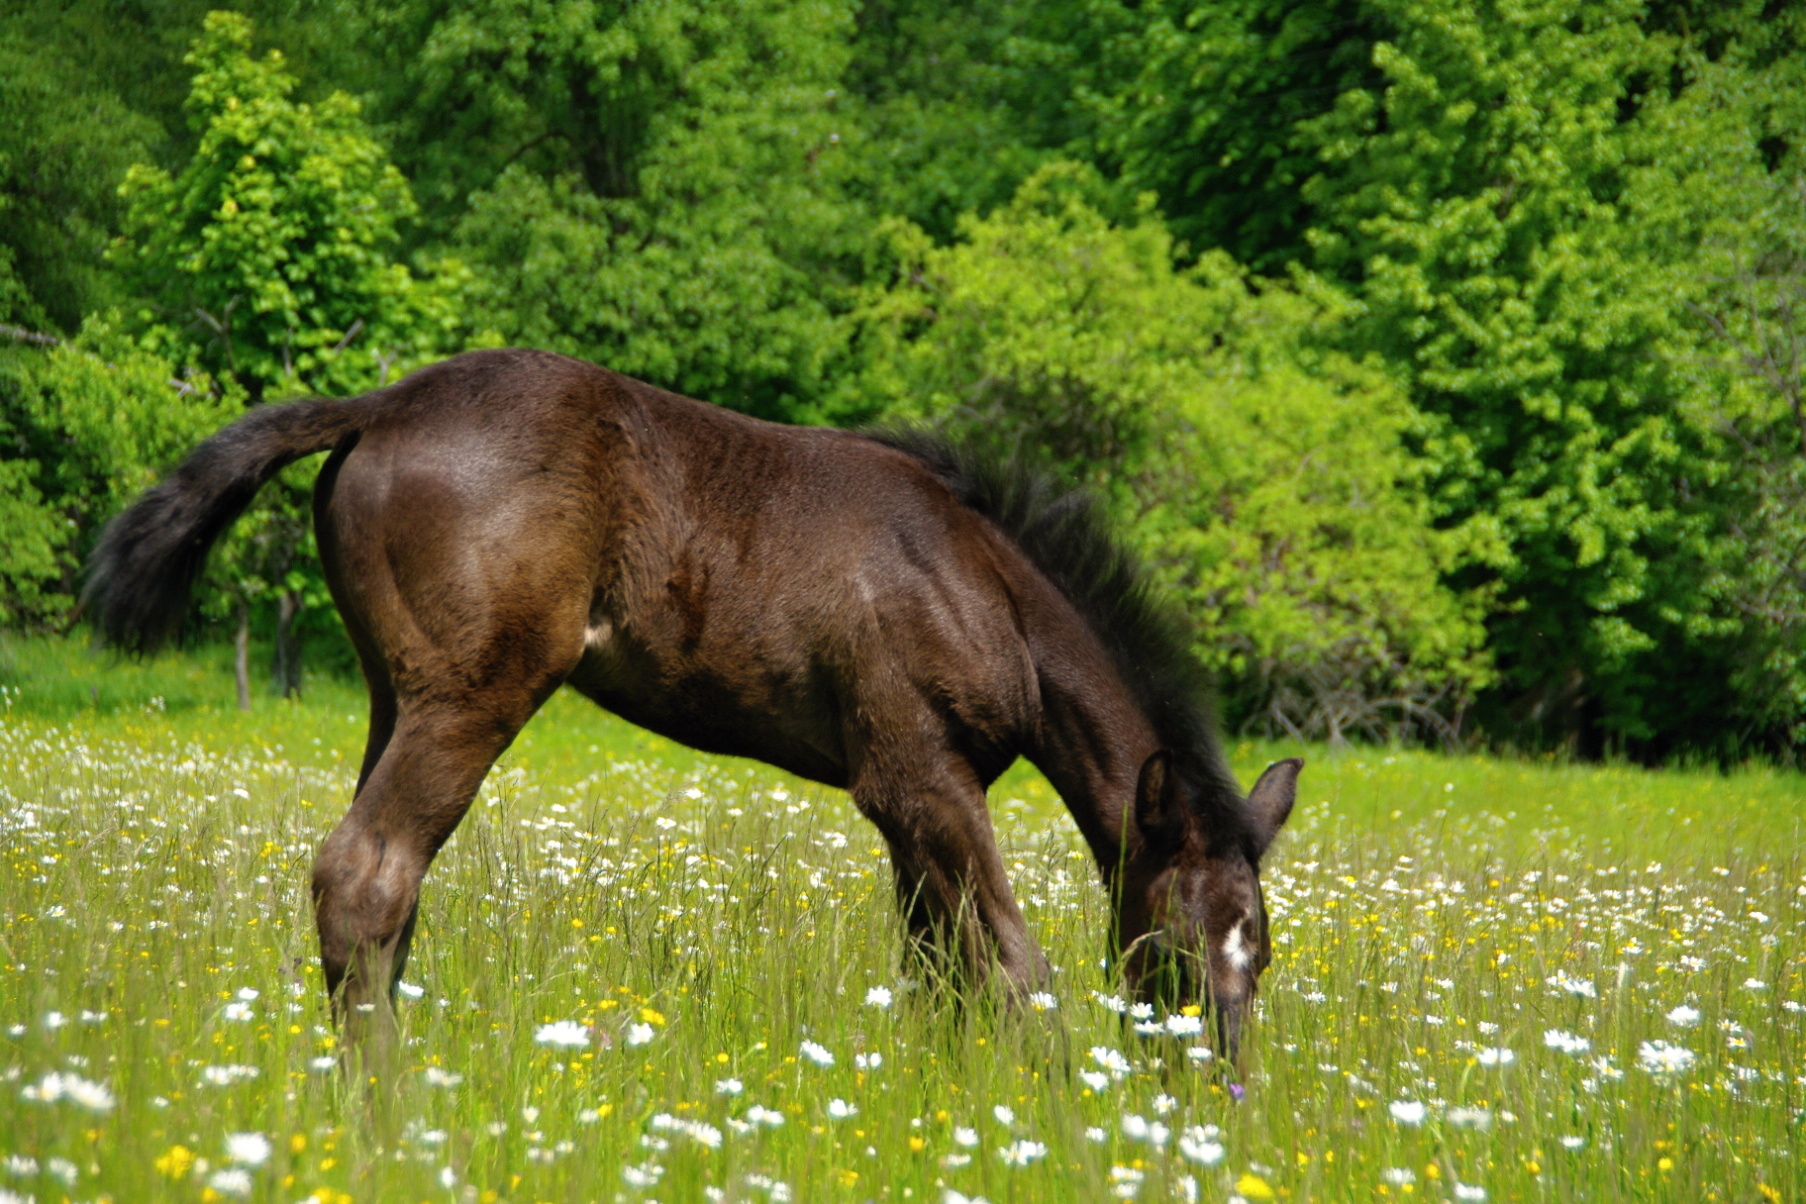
(382, 717)
(436, 727)
(366, 883)
(461, 547)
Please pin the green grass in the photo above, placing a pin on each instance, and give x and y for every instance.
(1428, 909)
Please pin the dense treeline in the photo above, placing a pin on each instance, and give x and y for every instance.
(1444, 358)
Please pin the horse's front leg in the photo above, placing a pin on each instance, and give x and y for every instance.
(957, 904)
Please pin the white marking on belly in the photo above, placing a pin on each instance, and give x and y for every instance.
(595, 636)
(1234, 951)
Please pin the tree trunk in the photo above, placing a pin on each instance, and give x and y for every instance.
(287, 669)
(241, 656)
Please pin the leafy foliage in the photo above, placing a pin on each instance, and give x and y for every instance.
(963, 104)
(267, 258)
(62, 151)
(1212, 112)
(1512, 280)
(1516, 196)
(1754, 394)
(1266, 479)
(86, 426)
(659, 188)
(1515, 212)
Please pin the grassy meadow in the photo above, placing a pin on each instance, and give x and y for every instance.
(645, 975)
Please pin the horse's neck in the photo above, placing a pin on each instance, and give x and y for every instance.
(1092, 743)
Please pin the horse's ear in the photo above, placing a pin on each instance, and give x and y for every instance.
(1270, 802)
(1159, 809)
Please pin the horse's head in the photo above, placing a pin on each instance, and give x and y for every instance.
(1192, 923)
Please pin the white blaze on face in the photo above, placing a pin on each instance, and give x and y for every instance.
(1235, 949)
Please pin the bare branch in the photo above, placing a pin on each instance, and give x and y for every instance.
(39, 339)
(20, 334)
(349, 335)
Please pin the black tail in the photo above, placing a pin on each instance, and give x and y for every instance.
(143, 570)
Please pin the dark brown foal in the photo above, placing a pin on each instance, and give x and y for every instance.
(880, 613)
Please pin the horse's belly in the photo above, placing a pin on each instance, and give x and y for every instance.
(730, 713)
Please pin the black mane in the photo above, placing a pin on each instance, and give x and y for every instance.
(1065, 534)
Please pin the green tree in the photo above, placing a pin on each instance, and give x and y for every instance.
(963, 103)
(1560, 231)
(659, 188)
(1265, 479)
(1518, 209)
(62, 151)
(1209, 105)
(269, 257)
(1516, 196)
(267, 260)
(84, 426)
(1753, 398)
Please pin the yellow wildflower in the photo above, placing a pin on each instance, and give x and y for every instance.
(175, 1162)
(1254, 1187)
